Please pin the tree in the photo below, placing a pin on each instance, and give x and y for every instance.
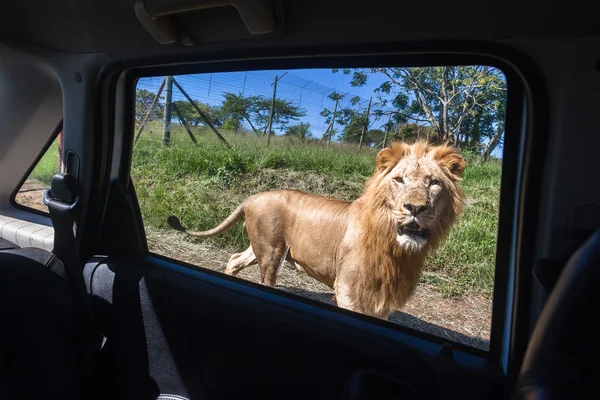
(255, 111)
(300, 131)
(192, 116)
(331, 117)
(143, 101)
(412, 131)
(232, 124)
(353, 122)
(449, 98)
(283, 112)
(237, 108)
(353, 119)
(374, 137)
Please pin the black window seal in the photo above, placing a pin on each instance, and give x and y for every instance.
(519, 191)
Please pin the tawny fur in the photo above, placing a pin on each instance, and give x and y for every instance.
(356, 247)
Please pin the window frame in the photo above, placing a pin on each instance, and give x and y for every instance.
(41, 154)
(525, 121)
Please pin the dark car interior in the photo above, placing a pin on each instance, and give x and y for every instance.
(90, 313)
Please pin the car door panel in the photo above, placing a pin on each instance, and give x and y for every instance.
(175, 330)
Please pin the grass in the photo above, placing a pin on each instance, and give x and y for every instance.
(203, 184)
(47, 167)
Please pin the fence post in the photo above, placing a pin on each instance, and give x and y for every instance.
(301, 89)
(273, 108)
(332, 121)
(184, 123)
(139, 132)
(362, 132)
(168, 101)
(202, 114)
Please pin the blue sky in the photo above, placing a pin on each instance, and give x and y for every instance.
(306, 88)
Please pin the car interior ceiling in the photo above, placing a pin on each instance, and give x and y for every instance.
(166, 330)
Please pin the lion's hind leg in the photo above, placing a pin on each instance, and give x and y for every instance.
(271, 258)
(239, 261)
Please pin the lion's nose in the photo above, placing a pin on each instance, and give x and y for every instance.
(415, 209)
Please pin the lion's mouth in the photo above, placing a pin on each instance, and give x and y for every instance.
(413, 229)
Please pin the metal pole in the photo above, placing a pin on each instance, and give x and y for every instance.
(202, 114)
(160, 89)
(272, 110)
(362, 133)
(302, 88)
(185, 125)
(333, 121)
(168, 101)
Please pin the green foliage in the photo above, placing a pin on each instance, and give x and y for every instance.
(232, 168)
(462, 103)
(143, 101)
(191, 115)
(300, 131)
(412, 132)
(283, 112)
(374, 136)
(237, 108)
(255, 110)
(47, 167)
(232, 124)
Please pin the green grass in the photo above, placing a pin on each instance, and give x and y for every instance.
(47, 167)
(203, 184)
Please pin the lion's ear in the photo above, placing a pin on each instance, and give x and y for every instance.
(449, 157)
(390, 156)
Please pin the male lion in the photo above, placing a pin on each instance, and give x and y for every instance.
(370, 251)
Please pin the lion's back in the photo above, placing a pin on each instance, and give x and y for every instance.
(291, 202)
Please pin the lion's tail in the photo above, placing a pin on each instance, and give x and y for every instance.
(233, 218)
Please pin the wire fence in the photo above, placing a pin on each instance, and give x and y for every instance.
(311, 97)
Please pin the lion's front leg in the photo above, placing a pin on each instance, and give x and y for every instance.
(345, 299)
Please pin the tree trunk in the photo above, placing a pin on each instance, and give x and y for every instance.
(331, 124)
(387, 129)
(491, 145)
(252, 126)
(428, 113)
(362, 132)
(60, 151)
(444, 123)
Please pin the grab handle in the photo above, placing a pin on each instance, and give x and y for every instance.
(258, 15)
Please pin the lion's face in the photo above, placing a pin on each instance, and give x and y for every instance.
(422, 188)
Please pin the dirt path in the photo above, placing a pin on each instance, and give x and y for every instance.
(31, 195)
(466, 320)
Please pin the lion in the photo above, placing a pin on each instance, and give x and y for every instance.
(369, 251)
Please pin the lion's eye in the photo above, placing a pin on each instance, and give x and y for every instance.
(434, 182)
(399, 179)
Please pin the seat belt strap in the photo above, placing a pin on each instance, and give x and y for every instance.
(63, 203)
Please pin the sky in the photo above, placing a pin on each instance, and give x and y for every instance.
(306, 88)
